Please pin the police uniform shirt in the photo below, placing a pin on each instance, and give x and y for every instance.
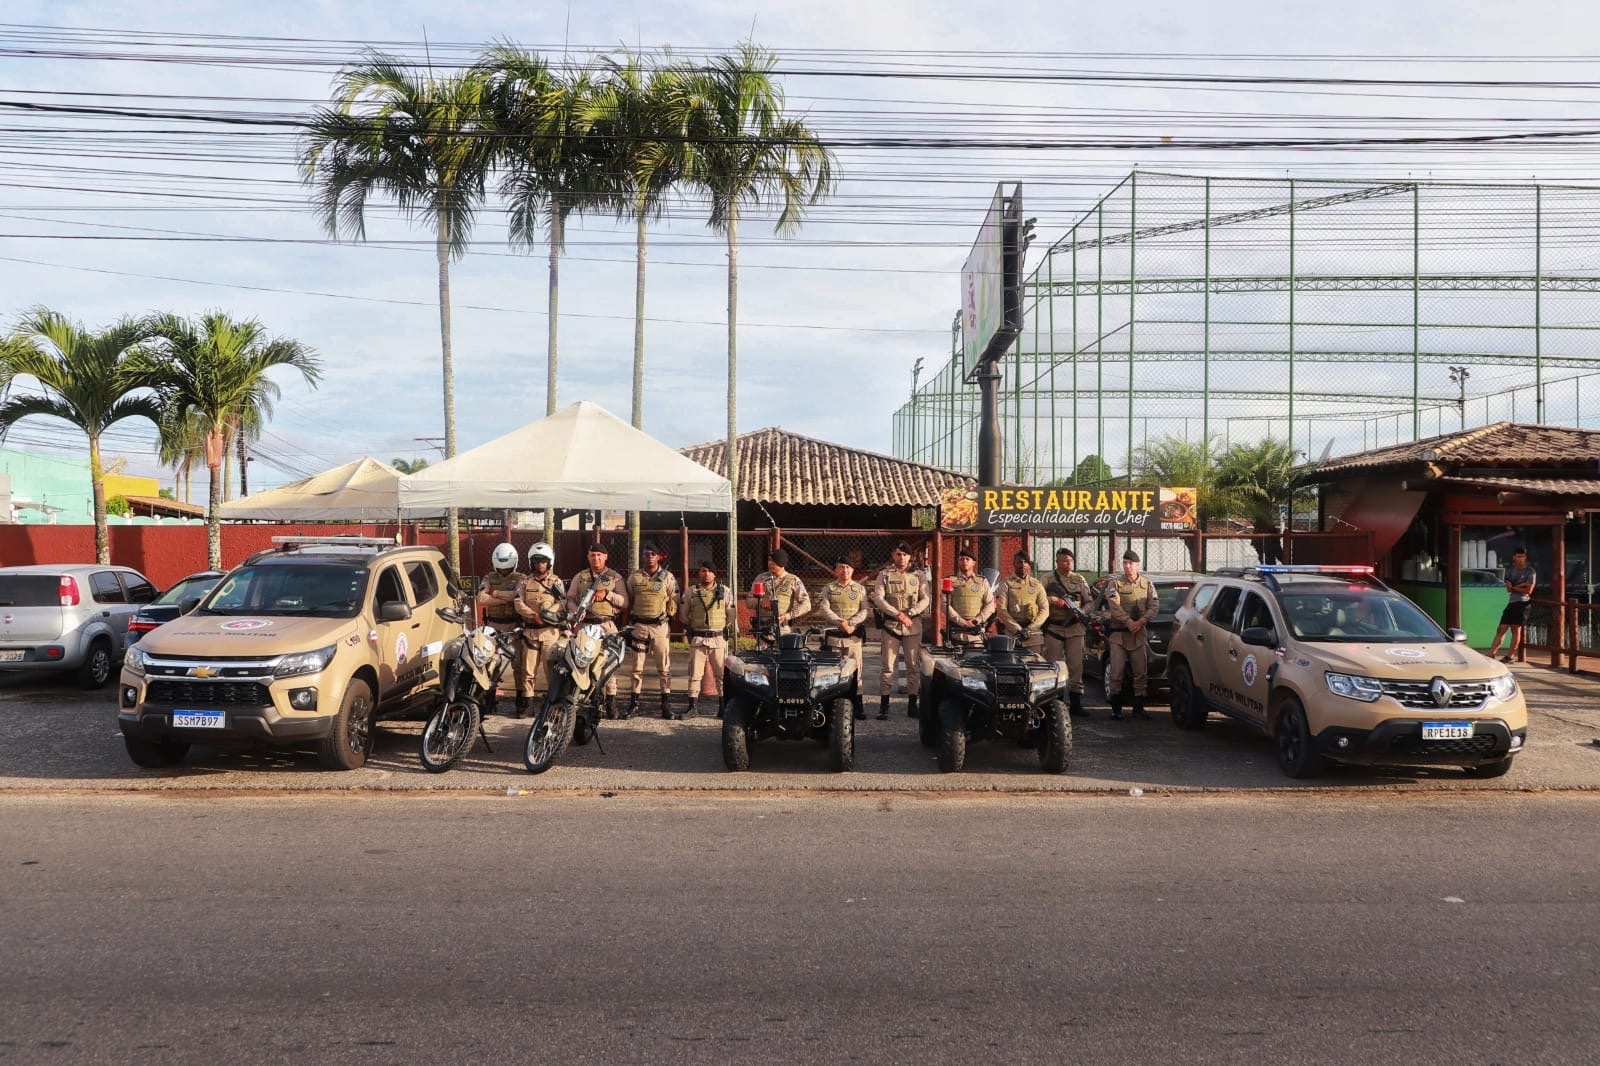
(1122, 595)
(845, 602)
(537, 593)
(971, 598)
(900, 591)
(652, 596)
(788, 592)
(704, 612)
(501, 610)
(1074, 588)
(608, 583)
(1025, 602)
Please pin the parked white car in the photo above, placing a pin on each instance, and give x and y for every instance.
(61, 617)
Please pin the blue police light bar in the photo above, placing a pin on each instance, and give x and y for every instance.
(1311, 568)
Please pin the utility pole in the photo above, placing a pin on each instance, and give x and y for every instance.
(1458, 377)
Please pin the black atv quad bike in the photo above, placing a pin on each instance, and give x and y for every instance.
(793, 691)
(994, 692)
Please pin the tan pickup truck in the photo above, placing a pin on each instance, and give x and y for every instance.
(306, 644)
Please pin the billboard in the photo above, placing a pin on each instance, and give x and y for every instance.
(1068, 509)
(991, 309)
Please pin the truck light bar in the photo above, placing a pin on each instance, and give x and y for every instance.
(361, 542)
(1310, 568)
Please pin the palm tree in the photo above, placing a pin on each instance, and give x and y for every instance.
(640, 113)
(423, 141)
(1176, 461)
(1259, 478)
(409, 466)
(745, 151)
(92, 380)
(183, 447)
(213, 377)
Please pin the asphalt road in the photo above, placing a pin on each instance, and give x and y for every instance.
(53, 735)
(370, 928)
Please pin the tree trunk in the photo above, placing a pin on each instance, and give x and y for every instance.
(97, 482)
(733, 400)
(552, 308)
(227, 471)
(214, 521)
(452, 516)
(638, 362)
(244, 459)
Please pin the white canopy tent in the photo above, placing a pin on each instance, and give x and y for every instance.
(363, 490)
(580, 458)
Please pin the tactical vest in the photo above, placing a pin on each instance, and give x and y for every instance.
(501, 610)
(606, 582)
(1074, 588)
(966, 596)
(902, 588)
(707, 611)
(845, 600)
(782, 590)
(648, 595)
(539, 593)
(1022, 599)
(1134, 596)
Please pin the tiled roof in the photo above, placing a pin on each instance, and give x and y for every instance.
(162, 505)
(1498, 445)
(1531, 486)
(776, 466)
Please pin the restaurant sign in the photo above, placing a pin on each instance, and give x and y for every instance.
(1142, 509)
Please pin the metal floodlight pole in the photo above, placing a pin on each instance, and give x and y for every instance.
(1538, 305)
(1205, 387)
(1416, 312)
(1291, 316)
(1133, 288)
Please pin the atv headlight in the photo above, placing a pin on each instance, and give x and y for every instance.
(1365, 689)
(974, 681)
(1501, 688)
(1042, 683)
(756, 675)
(826, 678)
(134, 661)
(307, 662)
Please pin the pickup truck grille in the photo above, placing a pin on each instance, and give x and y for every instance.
(203, 694)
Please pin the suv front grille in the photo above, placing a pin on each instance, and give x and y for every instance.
(1465, 694)
(202, 694)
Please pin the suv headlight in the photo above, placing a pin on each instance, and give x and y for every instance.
(306, 662)
(1365, 689)
(1501, 688)
(134, 661)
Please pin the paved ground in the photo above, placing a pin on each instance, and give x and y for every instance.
(54, 736)
(376, 928)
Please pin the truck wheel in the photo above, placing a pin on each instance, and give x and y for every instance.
(842, 737)
(952, 735)
(96, 668)
(1187, 710)
(736, 734)
(346, 745)
(1297, 753)
(156, 754)
(1491, 769)
(1057, 746)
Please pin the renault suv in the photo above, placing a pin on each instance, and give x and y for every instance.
(305, 644)
(1333, 664)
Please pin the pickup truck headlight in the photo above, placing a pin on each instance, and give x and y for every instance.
(306, 662)
(1502, 687)
(1350, 686)
(134, 661)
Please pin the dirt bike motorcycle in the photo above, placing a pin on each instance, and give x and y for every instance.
(474, 663)
(582, 660)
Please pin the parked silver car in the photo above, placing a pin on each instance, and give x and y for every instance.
(56, 617)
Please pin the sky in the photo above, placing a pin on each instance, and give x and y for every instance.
(831, 320)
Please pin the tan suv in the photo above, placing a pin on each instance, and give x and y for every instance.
(1333, 664)
(307, 643)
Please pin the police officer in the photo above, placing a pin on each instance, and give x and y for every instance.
(1130, 602)
(704, 615)
(901, 598)
(1069, 595)
(540, 590)
(1023, 608)
(653, 600)
(610, 600)
(970, 602)
(497, 597)
(784, 597)
(844, 604)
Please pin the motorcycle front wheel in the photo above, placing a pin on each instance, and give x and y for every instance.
(549, 735)
(449, 735)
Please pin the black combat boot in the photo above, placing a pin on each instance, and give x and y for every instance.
(1138, 707)
(628, 708)
(693, 710)
(522, 707)
(860, 708)
(1075, 705)
(1116, 707)
(608, 708)
(911, 706)
(883, 708)
(666, 708)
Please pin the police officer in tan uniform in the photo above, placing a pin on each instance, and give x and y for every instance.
(497, 597)
(1130, 603)
(1023, 607)
(969, 603)
(844, 604)
(901, 597)
(610, 600)
(704, 615)
(540, 590)
(784, 597)
(652, 600)
(1070, 596)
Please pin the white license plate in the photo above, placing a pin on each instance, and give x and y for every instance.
(12, 656)
(198, 720)
(1446, 730)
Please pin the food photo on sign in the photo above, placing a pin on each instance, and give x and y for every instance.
(1176, 510)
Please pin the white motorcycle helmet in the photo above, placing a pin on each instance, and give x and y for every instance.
(504, 558)
(543, 551)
